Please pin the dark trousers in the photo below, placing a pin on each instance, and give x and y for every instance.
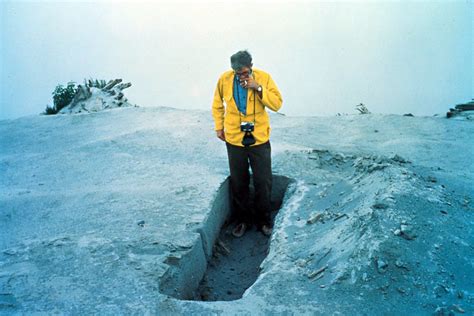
(259, 158)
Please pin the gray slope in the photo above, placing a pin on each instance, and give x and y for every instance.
(73, 189)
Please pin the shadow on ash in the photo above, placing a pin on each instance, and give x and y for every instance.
(221, 267)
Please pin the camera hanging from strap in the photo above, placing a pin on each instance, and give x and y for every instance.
(247, 127)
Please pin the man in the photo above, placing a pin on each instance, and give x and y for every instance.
(238, 109)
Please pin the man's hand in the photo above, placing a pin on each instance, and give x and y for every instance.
(249, 83)
(221, 135)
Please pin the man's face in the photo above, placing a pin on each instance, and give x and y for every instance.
(243, 73)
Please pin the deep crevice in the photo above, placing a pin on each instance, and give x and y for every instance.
(221, 267)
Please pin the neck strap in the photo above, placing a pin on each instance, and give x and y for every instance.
(238, 97)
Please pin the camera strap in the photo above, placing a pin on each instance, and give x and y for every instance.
(240, 113)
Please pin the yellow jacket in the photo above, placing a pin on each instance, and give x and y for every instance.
(226, 114)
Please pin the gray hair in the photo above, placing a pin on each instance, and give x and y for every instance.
(241, 59)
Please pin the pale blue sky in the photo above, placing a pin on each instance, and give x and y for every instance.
(326, 57)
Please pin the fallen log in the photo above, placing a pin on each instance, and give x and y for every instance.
(466, 106)
(459, 108)
(111, 84)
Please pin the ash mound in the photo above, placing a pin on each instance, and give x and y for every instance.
(379, 219)
(95, 96)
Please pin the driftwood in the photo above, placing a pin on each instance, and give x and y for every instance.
(111, 84)
(469, 106)
(82, 94)
(466, 106)
(97, 95)
(362, 109)
(123, 86)
(95, 83)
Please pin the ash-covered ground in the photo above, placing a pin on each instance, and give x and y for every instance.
(115, 213)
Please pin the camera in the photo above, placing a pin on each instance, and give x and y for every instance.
(247, 126)
(248, 139)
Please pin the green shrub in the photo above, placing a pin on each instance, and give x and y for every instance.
(62, 96)
(49, 110)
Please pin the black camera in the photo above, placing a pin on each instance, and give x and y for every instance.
(247, 126)
(248, 139)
